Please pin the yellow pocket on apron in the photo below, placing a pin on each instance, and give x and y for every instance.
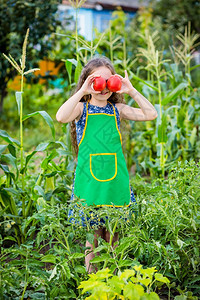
(103, 166)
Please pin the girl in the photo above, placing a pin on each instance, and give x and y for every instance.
(101, 176)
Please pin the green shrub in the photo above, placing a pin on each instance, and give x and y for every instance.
(130, 284)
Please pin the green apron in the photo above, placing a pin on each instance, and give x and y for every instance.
(101, 174)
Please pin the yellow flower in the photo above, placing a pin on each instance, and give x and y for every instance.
(12, 223)
(161, 200)
(8, 225)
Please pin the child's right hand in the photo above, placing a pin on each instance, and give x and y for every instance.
(86, 88)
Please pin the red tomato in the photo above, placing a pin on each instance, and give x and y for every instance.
(99, 84)
(114, 83)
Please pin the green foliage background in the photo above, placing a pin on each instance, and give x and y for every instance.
(42, 252)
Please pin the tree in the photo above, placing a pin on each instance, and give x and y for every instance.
(16, 17)
(177, 13)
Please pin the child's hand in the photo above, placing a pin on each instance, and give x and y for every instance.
(87, 85)
(126, 85)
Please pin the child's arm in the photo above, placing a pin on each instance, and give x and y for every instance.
(146, 112)
(71, 109)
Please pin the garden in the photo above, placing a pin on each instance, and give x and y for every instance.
(158, 253)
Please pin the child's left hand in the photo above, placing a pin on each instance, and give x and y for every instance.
(126, 85)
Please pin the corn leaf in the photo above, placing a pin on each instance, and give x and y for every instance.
(78, 71)
(18, 96)
(174, 93)
(5, 136)
(46, 117)
(143, 81)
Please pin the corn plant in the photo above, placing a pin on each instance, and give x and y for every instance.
(14, 189)
(155, 63)
(19, 97)
(183, 54)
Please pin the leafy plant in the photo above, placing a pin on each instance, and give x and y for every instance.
(130, 284)
(10, 195)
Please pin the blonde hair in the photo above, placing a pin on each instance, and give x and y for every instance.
(87, 70)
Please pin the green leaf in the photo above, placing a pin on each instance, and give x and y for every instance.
(100, 248)
(12, 150)
(162, 127)
(2, 148)
(40, 191)
(103, 257)
(145, 82)
(76, 256)
(145, 281)
(90, 237)
(68, 65)
(53, 274)
(194, 67)
(193, 136)
(148, 272)
(116, 284)
(9, 159)
(13, 207)
(11, 238)
(77, 71)
(162, 130)
(5, 168)
(125, 263)
(18, 96)
(40, 147)
(181, 297)
(5, 136)
(80, 269)
(46, 117)
(37, 295)
(161, 278)
(88, 286)
(175, 93)
(73, 61)
(133, 291)
(127, 273)
(101, 274)
(49, 258)
(66, 269)
(151, 296)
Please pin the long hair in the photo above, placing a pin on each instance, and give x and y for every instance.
(87, 70)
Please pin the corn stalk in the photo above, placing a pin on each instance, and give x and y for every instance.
(19, 97)
(183, 53)
(154, 65)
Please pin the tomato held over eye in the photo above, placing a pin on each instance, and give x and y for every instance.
(99, 84)
(114, 83)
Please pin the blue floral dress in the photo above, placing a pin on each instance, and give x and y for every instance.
(80, 125)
